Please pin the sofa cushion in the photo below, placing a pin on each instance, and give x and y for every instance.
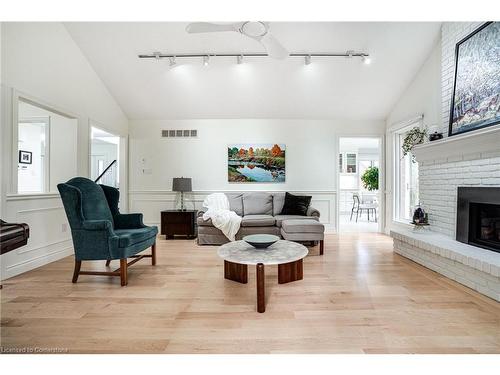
(257, 204)
(236, 202)
(302, 226)
(257, 221)
(129, 237)
(296, 204)
(278, 202)
(280, 218)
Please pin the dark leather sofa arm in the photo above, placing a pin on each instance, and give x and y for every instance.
(128, 221)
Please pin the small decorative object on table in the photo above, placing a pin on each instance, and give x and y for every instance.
(261, 241)
(435, 136)
(420, 217)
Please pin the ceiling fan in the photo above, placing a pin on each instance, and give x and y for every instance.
(258, 31)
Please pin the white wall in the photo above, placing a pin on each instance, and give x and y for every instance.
(42, 61)
(311, 158)
(422, 97)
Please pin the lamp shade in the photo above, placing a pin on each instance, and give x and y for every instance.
(181, 184)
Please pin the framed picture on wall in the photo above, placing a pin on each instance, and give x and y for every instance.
(25, 157)
(475, 102)
(256, 163)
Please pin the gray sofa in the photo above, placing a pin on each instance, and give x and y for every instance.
(260, 212)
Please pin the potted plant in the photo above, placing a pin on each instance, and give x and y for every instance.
(414, 137)
(370, 179)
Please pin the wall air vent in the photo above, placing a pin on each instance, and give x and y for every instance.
(184, 133)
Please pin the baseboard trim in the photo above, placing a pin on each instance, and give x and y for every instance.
(32, 263)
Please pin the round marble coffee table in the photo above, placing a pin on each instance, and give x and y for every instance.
(286, 254)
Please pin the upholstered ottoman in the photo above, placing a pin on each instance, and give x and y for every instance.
(304, 230)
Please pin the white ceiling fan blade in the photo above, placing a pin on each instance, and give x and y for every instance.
(207, 27)
(273, 47)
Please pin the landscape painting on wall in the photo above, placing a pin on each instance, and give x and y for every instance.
(256, 163)
(475, 101)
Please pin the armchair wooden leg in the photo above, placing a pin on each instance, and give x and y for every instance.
(321, 247)
(108, 262)
(123, 271)
(76, 272)
(153, 254)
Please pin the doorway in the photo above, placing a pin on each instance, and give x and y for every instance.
(359, 177)
(104, 157)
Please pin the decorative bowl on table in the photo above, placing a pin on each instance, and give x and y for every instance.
(261, 241)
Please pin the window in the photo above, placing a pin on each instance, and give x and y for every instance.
(350, 163)
(405, 178)
(46, 148)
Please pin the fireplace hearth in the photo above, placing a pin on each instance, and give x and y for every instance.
(478, 217)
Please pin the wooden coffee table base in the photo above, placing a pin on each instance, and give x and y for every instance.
(236, 272)
(287, 272)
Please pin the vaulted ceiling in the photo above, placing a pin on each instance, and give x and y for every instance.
(260, 87)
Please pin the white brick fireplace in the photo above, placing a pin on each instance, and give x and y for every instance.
(470, 159)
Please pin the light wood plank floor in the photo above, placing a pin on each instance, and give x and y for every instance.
(359, 297)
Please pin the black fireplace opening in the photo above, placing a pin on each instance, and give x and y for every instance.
(484, 225)
(478, 217)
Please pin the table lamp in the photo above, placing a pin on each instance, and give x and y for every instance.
(181, 184)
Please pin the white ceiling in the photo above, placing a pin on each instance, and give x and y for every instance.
(261, 87)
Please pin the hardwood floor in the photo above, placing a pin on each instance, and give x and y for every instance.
(357, 298)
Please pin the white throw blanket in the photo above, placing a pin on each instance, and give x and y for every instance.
(227, 221)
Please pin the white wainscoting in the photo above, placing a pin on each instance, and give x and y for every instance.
(50, 234)
(152, 202)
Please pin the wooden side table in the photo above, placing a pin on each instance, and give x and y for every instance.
(179, 223)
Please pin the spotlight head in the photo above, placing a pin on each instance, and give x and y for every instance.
(157, 55)
(366, 59)
(205, 60)
(307, 59)
(239, 59)
(172, 61)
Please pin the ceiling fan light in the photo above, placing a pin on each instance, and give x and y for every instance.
(307, 59)
(366, 59)
(206, 60)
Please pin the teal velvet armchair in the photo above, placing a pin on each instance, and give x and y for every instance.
(100, 231)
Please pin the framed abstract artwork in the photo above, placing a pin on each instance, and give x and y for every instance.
(475, 102)
(256, 162)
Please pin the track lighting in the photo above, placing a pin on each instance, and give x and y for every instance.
(239, 56)
(172, 60)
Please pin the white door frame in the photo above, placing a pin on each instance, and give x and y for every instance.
(122, 159)
(381, 177)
